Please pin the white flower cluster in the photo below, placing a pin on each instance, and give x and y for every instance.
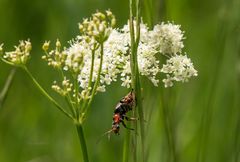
(84, 56)
(178, 68)
(168, 38)
(147, 61)
(20, 55)
(75, 56)
(164, 38)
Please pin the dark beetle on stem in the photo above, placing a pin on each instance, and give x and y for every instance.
(125, 104)
(119, 115)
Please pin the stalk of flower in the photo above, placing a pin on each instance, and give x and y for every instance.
(135, 37)
(7, 85)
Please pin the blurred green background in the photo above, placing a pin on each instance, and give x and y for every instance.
(204, 114)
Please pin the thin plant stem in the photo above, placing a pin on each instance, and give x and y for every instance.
(68, 98)
(6, 87)
(92, 66)
(97, 81)
(82, 142)
(90, 77)
(126, 147)
(138, 84)
(168, 128)
(126, 143)
(148, 12)
(135, 80)
(47, 95)
(77, 104)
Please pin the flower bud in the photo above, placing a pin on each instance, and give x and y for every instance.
(45, 46)
(1, 49)
(58, 44)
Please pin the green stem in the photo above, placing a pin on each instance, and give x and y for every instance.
(82, 142)
(90, 76)
(126, 144)
(68, 97)
(126, 147)
(138, 85)
(97, 81)
(6, 87)
(76, 88)
(148, 12)
(168, 128)
(92, 66)
(70, 105)
(46, 94)
(135, 79)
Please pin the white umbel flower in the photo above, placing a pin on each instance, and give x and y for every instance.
(147, 61)
(168, 38)
(178, 68)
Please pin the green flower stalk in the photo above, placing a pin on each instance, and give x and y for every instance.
(6, 87)
(135, 81)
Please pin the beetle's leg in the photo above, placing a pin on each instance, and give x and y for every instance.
(125, 125)
(130, 118)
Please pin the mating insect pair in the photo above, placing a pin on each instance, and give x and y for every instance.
(119, 115)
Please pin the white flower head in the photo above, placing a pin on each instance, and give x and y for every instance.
(75, 54)
(168, 38)
(147, 61)
(178, 68)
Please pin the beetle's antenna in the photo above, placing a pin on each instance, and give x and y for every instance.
(106, 133)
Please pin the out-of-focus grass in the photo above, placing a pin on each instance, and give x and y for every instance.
(31, 130)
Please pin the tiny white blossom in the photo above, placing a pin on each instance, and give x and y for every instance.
(168, 82)
(126, 81)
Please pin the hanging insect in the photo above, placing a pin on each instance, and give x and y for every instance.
(125, 104)
(119, 115)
